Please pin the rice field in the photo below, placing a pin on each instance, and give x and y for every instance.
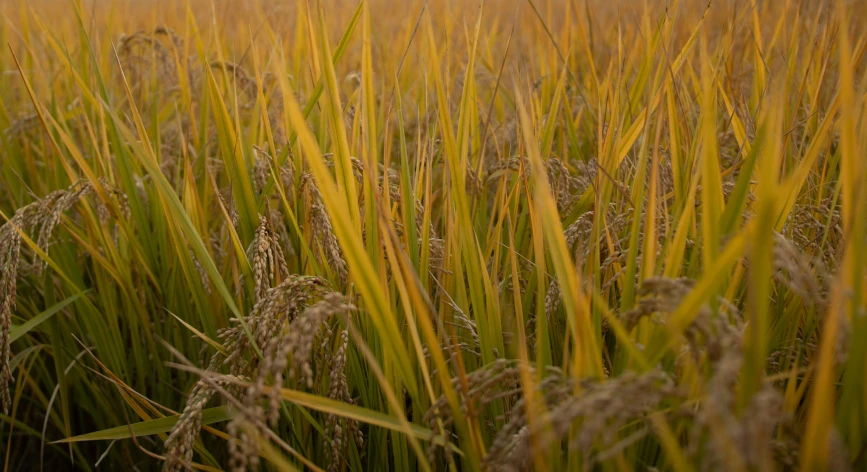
(343, 235)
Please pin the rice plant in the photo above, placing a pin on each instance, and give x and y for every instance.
(497, 235)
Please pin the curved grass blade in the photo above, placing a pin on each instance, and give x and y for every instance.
(147, 428)
(16, 331)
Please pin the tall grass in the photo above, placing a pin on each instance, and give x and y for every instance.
(548, 235)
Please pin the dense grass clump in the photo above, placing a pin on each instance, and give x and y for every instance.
(443, 235)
